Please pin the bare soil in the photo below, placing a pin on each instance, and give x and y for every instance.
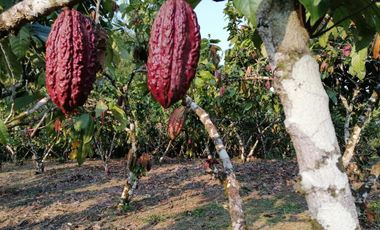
(179, 195)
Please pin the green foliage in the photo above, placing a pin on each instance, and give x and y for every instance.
(357, 67)
(248, 8)
(364, 14)
(4, 136)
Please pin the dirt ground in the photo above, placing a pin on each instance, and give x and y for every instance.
(171, 196)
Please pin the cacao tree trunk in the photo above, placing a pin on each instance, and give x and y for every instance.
(308, 120)
(231, 184)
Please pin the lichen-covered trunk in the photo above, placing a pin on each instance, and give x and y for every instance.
(308, 120)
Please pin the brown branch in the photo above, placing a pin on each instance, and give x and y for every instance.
(39, 124)
(231, 184)
(27, 11)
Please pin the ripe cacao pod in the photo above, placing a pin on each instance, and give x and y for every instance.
(176, 121)
(174, 47)
(71, 61)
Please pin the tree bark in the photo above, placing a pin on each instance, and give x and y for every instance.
(308, 120)
(28, 10)
(231, 184)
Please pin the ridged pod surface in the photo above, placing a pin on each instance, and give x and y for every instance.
(176, 122)
(71, 61)
(174, 48)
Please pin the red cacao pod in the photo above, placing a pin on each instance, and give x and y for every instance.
(71, 61)
(176, 121)
(174, 47)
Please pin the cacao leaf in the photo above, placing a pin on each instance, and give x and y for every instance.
(248, 8)
(357, 67)
(5, 4)
(4, 136)
(24, 101)
(89, 132)
(20, 43)
(40, 31)
(9, 64)
(100, 108)
(317, 9)
(120, 116)
(332, 95)
(82, 122)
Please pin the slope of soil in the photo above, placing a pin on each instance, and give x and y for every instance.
(173, 196)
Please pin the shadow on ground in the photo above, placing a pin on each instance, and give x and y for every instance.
(174, 196)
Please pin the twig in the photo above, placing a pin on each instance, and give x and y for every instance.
(166, 151)
(97, 12)
(39, 124)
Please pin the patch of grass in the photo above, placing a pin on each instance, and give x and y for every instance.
(125, 208)
(155, 219)
(374, 206)
(274, 209)
(209, 216)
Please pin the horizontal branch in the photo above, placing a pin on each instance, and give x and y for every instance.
(5, 92)
(15, 121)
(27, 11)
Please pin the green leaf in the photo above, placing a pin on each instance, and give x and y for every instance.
(82, 122)
(20, 43)
(40, 31)
(317, 9)
(205, 75)
(332, 96)
(248, 8)
(100, 108)
(5, 4)
(323, 40)
(4, 136)
(89, 132)
(357, 67)
(24, 101)
(120, 116)
(9, 64)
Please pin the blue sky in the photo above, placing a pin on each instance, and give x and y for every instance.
(211, 20)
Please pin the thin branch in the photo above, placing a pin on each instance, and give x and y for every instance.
(39, 124)
(166, 151)
(15, 121)
(5, 92)
(97, 15)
